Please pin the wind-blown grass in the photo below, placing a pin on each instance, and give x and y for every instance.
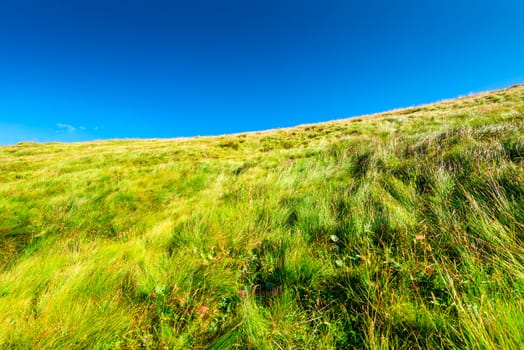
(400, 230)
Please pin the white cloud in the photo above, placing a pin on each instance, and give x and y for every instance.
(67, 127)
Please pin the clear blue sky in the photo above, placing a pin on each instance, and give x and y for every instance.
(80, 70)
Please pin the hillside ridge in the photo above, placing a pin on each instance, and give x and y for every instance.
(400, 110)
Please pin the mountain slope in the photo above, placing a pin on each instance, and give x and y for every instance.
(398, 230)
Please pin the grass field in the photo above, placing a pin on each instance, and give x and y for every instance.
(403, 230)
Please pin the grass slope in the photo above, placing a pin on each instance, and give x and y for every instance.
(399, 230)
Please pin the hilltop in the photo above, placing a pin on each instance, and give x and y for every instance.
(403, 229)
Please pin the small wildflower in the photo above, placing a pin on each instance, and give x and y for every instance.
(203, 311)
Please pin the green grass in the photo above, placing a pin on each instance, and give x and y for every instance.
(402, 230)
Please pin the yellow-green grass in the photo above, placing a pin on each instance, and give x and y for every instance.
(398, 230)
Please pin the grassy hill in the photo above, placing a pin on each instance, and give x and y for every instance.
(398, 230)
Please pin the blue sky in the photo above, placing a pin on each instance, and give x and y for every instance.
(81, 70)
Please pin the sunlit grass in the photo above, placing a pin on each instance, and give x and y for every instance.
(400, 230)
